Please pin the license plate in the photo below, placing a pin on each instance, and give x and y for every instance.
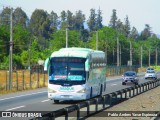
(65, 96)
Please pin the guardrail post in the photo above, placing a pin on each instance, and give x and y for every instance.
(66, 115)
(78, 111)
(149, 85)
(152, 84)
(140, 89)
(110, 99)
(155, 83)
(158, 82)
(121, 93)
(130, 92)
(145, 85)
(133, 91)
(125, 93)
(137, 89)
(96, 108)
(104, 101)
(88, 109)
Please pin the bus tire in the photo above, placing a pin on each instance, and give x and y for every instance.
(56, 101)
(91, 93)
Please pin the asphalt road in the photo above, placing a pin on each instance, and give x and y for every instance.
(37, 100)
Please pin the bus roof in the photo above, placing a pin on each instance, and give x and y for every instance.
(76, 49)
(73, 52)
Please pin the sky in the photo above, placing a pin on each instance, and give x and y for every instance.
(139, 12)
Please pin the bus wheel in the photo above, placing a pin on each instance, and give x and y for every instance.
(56, 101)
(91, 93)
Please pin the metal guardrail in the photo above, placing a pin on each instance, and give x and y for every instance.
(106, 101)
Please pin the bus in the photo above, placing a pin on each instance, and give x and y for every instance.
(75, 74)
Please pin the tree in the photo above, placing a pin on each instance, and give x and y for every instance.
(146, 33)
(120, 26)
(78, 20)
(92, 20)
(134, 34)
(69, 21)
(4, 42)
(63, 19)
(99, 20)
(21, 39)
(20, 17)
(40, 23)
(5, 16)
(127, 27)
(113, 20)
(53, 17)
(58, 39)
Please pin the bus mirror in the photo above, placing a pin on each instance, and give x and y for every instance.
(86, 65)
(46, 64)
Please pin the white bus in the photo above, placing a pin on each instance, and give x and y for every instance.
(75, 74)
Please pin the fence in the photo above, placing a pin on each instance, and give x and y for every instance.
(36, 77)
(23, 80)
(101, 103)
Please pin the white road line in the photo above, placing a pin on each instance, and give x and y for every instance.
(113, 84)
(21, 96)
(14, 108)
(45, 100)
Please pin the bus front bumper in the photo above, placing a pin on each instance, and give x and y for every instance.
(73, 96)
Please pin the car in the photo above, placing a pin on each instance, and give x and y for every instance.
(150, 74)
(130, 77)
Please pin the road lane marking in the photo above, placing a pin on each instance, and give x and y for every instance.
(21, 96)
(45, 100)
(113, 84)
(15, 108)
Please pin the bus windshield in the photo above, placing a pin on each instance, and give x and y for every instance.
(67, 68)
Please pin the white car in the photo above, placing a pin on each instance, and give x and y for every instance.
(150, 74)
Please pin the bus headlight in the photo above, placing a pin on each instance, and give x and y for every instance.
(51, 91)
(82, 91)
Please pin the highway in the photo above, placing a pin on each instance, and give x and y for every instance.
(36, 100)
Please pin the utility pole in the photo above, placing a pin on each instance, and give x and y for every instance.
(120, 54)
(141, 56)
(96, 40)
(113, 56)
(11, 52)
(156, 56)
(66, 37)
(117, 51)
(149, 59)
(130, 53)
(106, 53)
